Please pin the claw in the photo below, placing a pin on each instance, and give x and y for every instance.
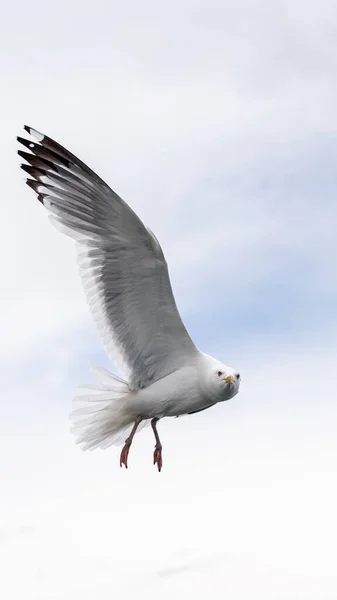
(124, 455)
(157, 457)
(125, 451)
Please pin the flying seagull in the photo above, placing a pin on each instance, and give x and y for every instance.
(126, 280)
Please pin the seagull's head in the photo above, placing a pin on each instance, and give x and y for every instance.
(226, 381)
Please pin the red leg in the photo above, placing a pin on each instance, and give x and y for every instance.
(157, 455)
(126, 447)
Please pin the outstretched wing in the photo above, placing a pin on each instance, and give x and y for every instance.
(122, 265)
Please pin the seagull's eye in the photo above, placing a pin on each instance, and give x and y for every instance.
(220, 373)
(238, 376)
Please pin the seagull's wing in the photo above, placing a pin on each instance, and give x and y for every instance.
(123, 268)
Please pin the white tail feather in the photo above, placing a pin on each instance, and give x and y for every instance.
(103, 419)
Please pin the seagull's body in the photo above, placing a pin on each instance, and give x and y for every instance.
(182, 392)
(126, 280)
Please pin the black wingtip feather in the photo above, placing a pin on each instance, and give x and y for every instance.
(27, 143)
(60, 154)
(33, 185)
(33, 171)
(38, 161)
(25, 168)
(47, 154)
(43, 151)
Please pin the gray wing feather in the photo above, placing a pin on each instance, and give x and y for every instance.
(122, 265)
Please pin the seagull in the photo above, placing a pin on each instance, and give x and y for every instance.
(128, 290)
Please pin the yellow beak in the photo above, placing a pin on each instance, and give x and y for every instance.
(229, 379)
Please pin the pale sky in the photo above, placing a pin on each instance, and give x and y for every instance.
(216, 121)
